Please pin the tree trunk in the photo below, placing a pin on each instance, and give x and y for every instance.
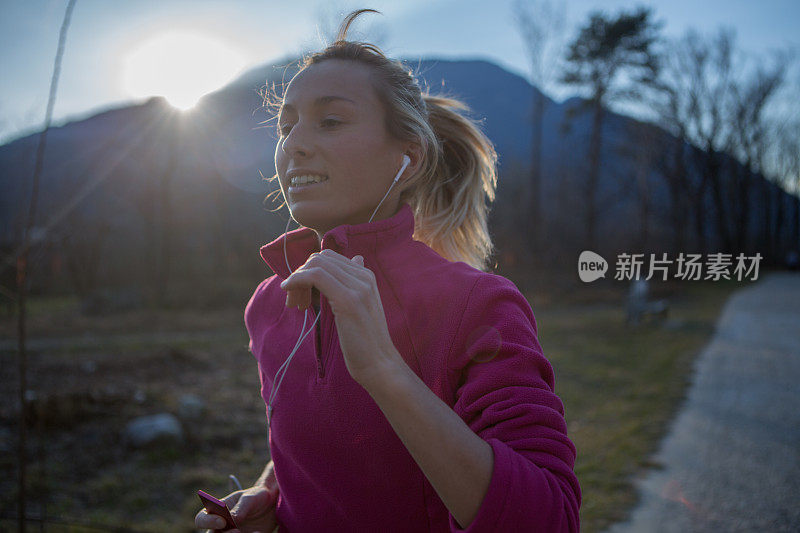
(699, 199)
(677, 188)
(764, 245)
(534, 202)
(593, 175)
(795, 244)
(777, 232)
(744, 174)
(718, 192)
(642, 185)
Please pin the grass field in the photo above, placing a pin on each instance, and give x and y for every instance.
(620, 386)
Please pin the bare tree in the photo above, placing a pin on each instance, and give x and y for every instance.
(540, 23)
(784, 163)
(710, 63)
(696, 85)
(22, 265)
(750, 100)
(676, 106)
(646, 155)
(606, 50)
(700, 99)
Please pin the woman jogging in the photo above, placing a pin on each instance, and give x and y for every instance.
(405, 386)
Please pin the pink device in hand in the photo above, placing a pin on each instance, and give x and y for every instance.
(217, 507)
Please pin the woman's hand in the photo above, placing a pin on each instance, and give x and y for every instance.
(353, 295)
(253, 510)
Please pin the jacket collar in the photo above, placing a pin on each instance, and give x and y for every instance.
(346, 239)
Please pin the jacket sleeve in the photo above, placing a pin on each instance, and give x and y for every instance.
(504, 391)
(252, 309)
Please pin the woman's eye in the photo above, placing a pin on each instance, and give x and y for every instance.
(328, 122)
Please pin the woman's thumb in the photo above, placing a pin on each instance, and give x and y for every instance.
(251, 503)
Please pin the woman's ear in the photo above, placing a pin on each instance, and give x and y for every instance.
(414, 152)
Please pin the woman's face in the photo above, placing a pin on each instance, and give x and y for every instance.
(332, 124)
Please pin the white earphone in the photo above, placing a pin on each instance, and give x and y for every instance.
(406, 162)
(304, 334)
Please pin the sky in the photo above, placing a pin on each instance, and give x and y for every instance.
(112, 44)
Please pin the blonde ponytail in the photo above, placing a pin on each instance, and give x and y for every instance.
(450, 201)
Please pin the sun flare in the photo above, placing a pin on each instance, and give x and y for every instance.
(181, 66)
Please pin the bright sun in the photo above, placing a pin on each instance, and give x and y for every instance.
(181, 67)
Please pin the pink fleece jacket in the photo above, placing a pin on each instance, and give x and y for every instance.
(469, 335)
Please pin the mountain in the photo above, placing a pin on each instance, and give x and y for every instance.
(145, 181)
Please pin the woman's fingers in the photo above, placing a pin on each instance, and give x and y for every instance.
(354, 266)
(204, 520)
(299, 297)
(334, 275)
(252, 509)
(232, 498)
(328, 279)
(254, 503)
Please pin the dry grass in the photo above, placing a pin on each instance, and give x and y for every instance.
(620, 388)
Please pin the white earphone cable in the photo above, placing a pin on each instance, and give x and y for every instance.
(282, 369)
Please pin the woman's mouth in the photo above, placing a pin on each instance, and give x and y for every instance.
(305, 182)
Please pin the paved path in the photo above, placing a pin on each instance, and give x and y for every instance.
(732, 456)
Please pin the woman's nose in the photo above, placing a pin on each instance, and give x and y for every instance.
(296, 142)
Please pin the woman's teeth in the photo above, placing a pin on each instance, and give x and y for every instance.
(303, 180)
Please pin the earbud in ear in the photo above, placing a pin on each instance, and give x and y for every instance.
(406, 162)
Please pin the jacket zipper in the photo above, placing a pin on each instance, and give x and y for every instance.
(318, 346)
